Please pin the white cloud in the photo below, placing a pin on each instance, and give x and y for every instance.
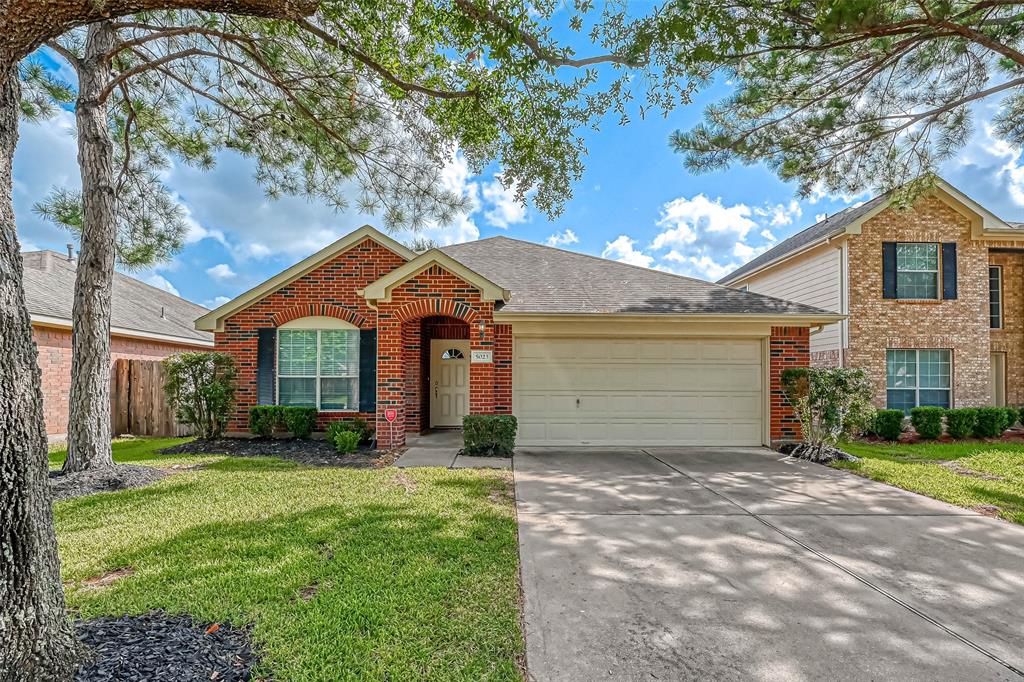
(455, 177)
(563, 238)
(707, 238)
(216, 302)
(623, 249)
(221, 271)
(46, 157)
(504, 209)
(160, 283)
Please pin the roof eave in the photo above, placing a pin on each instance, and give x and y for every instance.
(213, 321)
(784, 318)
(64, 323)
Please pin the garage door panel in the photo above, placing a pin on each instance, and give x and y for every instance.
(638, 391)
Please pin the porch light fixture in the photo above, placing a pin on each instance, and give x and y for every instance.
(483, 328)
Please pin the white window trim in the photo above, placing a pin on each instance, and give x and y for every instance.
(917, 376)
(316, 377)
(937, 271)
(999, 279)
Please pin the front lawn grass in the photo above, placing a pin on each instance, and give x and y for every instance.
(972, 474)
(361, 574)
(141, 451)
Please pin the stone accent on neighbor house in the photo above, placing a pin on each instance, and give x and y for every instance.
(1010, 338)
(827, 358)
(788, 347)
(877, 324)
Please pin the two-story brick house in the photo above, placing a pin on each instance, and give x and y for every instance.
(932, 295)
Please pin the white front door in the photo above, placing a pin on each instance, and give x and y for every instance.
(449, 382)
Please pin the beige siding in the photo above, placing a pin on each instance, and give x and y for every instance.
(812, 279)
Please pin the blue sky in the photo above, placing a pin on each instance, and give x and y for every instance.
(635, 203)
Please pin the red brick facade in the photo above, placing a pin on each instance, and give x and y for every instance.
(788, 347)
(54, 348)
(433, 304)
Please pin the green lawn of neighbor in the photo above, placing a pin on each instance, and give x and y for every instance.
(973, 474)
(343, 574)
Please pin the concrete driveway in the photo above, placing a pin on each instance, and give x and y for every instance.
(673, 564)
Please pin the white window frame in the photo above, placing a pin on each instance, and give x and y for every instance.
(917, 375)
(998, 317)
(937, 271)
(316, 377)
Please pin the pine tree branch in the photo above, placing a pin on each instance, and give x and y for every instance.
(69, 56)
(533, 43)
(335, 41)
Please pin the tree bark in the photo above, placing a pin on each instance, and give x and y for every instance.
(36, 639)
(89, 401)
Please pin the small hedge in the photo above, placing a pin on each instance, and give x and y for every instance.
(992, 421)
(927, 421)
(888, 424)
(264, 420)
(960, 422)
(1012, 416)
(489, 434)
(356, 425)
(300, 420)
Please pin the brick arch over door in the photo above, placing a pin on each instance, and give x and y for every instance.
(317, 310)
(430, 307)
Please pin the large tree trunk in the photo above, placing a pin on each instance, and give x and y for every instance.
(36, 639)
(89, 413)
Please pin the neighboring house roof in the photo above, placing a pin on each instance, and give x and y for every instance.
(546, 280)
(137, 309)
(848, 221)
(213, 320)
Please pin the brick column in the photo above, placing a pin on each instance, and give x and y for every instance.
(503, 368)
(390, 381)
(788, 347)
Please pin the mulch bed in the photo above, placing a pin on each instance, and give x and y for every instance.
(107, 479)
(158, 646)
(311, 452)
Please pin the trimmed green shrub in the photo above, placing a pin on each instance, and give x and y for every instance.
(346, 441)
(960, 422)
(300, 420)
(489, 434)
(927, 421)
(888, 424)
(265, 419)
(1012, 416)
(201, 387)
(991, 422)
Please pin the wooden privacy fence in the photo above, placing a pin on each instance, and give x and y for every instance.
(137, 402)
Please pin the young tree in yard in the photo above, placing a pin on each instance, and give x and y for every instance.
(468, 74)
(831, 403)
(201, 386)
(845, 95)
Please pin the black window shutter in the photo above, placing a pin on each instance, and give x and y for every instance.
(368, 370)
(265, 348)
(888, 269)
(949, 270)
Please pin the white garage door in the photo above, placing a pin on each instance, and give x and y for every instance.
(638, 391)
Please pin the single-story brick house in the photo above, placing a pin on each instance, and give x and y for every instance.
(146, 323)
(583, 350)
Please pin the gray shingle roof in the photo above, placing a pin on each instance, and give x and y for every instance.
(831, 226)
(50, 286)
(543, 279)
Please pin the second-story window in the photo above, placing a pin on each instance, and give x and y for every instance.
(995, 297)
(917, 271)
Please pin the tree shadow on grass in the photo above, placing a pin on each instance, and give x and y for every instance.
(369, 591)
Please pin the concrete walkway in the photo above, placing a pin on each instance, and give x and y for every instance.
(737, 564)
(441, 449)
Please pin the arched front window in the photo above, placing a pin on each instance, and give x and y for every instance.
(452, 354)
(318, 364)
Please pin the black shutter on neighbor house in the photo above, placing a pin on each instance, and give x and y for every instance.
(368, 370)
(949, 270)
(265, 348)
(888, 269)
